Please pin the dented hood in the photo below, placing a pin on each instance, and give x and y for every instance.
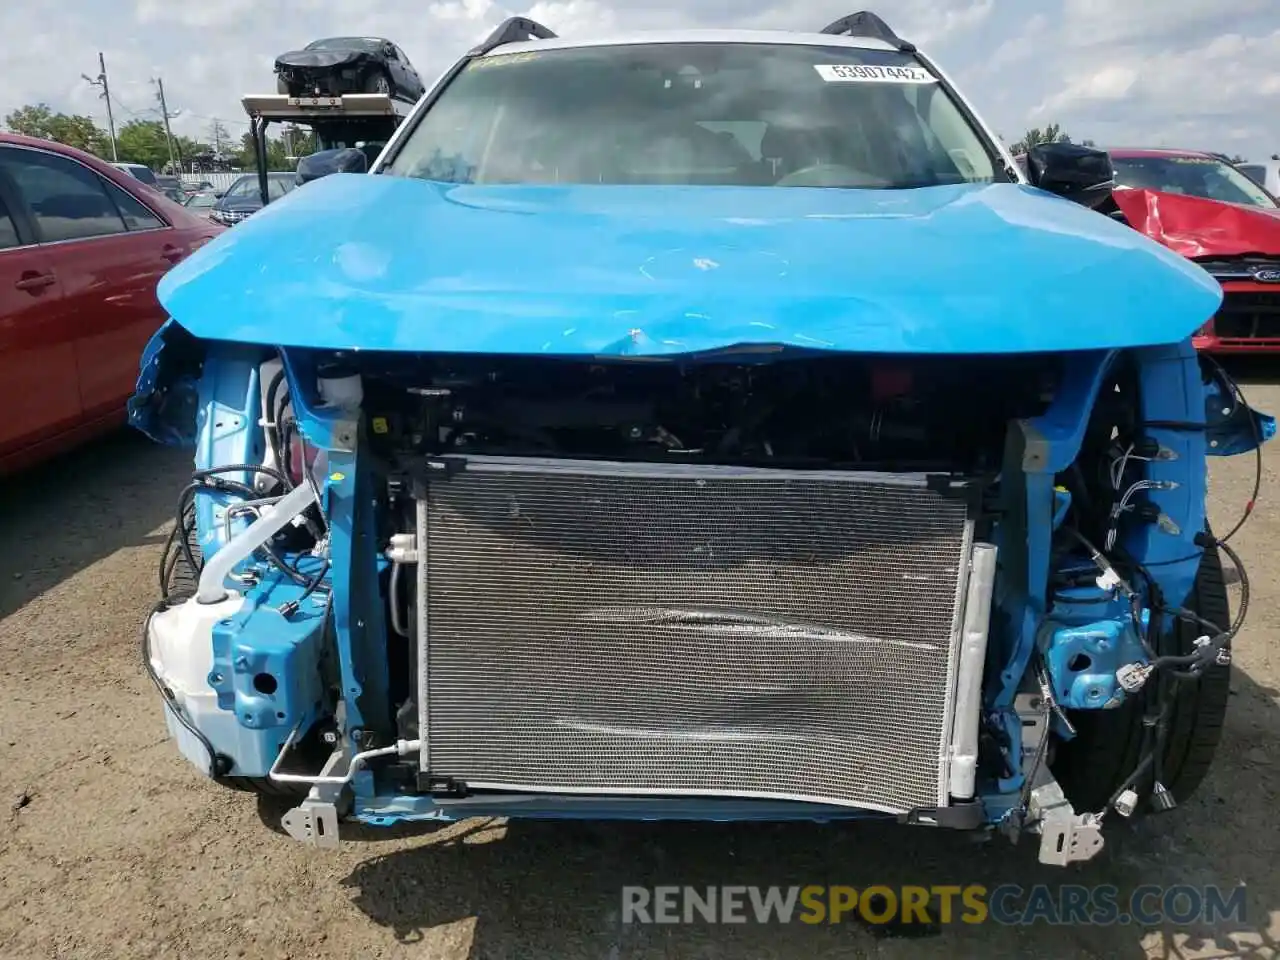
(1196, 227)
(374, 262)
(319, 59)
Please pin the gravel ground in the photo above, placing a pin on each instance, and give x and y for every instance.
(114, 847)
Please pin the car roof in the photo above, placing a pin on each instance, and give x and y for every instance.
(697, 36)
(153, 199)
(347, 36)
(1137, 153)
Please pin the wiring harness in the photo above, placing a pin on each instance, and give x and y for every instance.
(1164, 672)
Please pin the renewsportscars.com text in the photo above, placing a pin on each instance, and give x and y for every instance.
(1009, 904)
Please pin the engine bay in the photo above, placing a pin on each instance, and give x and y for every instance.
(843, 412)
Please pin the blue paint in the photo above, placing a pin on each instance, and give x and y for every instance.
(1229, 431)
(385, 811)
(247, 726)
(227, 432)
(1052, 442)
(166, 395)
(1172, 390)
(358, 618)
(266, 667)
(1061, 504)
(1083, 661)
(386, 263)
(1009, 724)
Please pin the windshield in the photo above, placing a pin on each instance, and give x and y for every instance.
(246, 188)
(139, 172)
(711, 114)
(1193, 176)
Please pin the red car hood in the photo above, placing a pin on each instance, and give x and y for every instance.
(1195, 227)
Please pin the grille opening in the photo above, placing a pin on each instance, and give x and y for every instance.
(1248, 315)
(765, 408)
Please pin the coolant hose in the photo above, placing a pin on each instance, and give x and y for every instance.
(272, 520)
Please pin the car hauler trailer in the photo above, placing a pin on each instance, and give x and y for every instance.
(350, 120)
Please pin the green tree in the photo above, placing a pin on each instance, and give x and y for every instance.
(277, 155)
(143, 141)
(38, 120)
(299, 140)
(1050, 134)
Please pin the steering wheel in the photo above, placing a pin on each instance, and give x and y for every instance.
(830, 175)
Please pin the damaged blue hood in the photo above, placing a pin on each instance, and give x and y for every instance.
(387, 263)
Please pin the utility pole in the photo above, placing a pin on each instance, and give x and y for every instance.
(215, 134)
(168, 135)
(101, 81)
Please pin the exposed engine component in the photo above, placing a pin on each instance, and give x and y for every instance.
(806, 412)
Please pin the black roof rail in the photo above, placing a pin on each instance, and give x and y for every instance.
(512, 30)
(867, 24)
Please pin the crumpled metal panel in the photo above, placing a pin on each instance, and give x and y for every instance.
(635, 628)
(1196, 227)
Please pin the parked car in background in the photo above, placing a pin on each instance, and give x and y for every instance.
(201, 202)
(339, 65)
(140, 172)
(1189, 173)
(1209, 211)
(244, 197)
(1265, 174)
(171, 187)
(82, 247)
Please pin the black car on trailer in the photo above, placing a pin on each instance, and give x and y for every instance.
(338, 65)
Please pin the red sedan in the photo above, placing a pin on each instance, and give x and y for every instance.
(1202, 207)
(82, 247)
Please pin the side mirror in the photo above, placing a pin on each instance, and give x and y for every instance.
(1082, 174)
(325, 162)
(219, 194)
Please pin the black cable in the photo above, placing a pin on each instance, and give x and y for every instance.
(208, 480)
(290, 608)
(219, 764)
(244, 468)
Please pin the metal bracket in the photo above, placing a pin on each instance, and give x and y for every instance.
(1065, 836)
(313, 822)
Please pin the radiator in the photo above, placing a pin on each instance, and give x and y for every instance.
(620, 629)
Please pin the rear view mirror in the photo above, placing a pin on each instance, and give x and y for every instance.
(1082, 174)
(325, 162)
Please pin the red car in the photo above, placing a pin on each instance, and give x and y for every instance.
(82, 247)
(1204, 208)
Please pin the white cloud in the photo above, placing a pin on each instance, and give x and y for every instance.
(1198, 72)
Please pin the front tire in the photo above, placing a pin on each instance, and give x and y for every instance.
(378, 82)
(1108, 743)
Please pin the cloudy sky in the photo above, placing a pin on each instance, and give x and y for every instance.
(1194, 73)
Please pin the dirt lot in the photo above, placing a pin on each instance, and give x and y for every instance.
(114, 847)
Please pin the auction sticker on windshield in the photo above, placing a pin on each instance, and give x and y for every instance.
(872, 73)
